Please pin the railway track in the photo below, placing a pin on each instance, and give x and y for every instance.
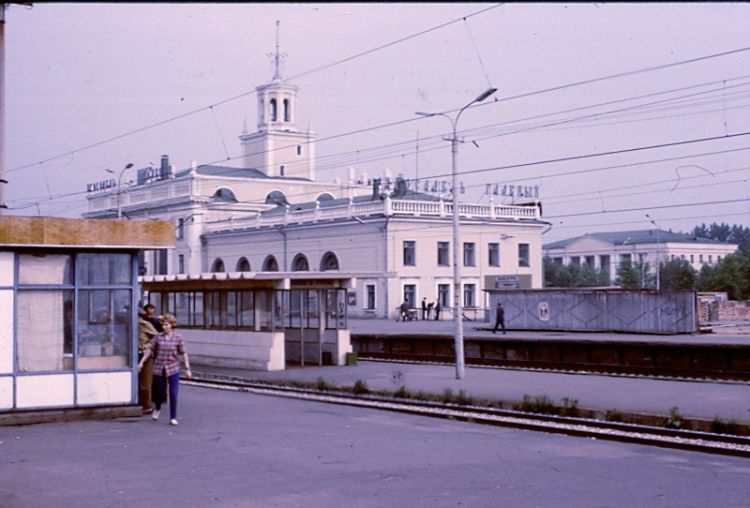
(594, 429)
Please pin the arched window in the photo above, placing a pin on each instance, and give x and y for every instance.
(300, 264)
(273, 110)
(276, 198)
(329, 262)
(243, 265)
(270, 264)
(324, 197)
(224, 194)
(287, 111)
(218, 266)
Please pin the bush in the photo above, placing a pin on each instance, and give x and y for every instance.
(675, 418)
(402, 393)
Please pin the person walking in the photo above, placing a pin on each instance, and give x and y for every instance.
(424, 308)
(437, 310)
(499, 317)
(166, 348)
(146, 332)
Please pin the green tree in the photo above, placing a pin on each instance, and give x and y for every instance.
(572, 276)
(627, 276)
(731, 275)
(677, 274)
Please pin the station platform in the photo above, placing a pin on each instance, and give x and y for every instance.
(723, 333)
(727, 400)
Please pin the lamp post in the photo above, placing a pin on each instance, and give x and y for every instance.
(658, 243)
(457, 308)
(119, 181)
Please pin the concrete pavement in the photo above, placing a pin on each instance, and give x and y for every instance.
(242, 450)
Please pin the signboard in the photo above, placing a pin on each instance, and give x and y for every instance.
(507, 282)
(521, 281)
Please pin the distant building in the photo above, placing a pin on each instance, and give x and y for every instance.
(608, 250)
(274, 216)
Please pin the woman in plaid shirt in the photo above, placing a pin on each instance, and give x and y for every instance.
(166, 348)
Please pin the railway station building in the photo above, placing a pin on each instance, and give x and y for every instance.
(271, 214)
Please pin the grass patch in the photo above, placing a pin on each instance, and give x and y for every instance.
(360, 388)
(675, 418)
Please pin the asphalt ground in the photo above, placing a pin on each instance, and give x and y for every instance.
(726, 400)
(235, 449)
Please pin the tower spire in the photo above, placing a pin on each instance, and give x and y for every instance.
(277, 56)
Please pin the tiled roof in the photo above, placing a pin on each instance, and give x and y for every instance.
(229, 172)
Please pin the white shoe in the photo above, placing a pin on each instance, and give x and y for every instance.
(173, 421)
(155, 414)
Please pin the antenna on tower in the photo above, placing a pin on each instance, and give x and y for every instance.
(277, 56)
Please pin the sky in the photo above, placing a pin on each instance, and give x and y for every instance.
(613, 111)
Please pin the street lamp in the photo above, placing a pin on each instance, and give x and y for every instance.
(119, 181)
(457, 308)
(658, 243)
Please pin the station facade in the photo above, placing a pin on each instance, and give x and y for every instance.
(274, 216)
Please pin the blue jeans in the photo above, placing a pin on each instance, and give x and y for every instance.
(159, 392)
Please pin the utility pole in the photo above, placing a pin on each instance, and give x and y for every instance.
(3, 180)
(457, 307)
(3, 172)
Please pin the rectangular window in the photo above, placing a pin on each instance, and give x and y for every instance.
(180, 229)
(625, 259)
(103, 324)
(590, 261)
(469, 259)
(44, 269)
(44, 330)
(700, 258)
(181, 263)
(299, 150)
(160, 262)
(370, 296)
(523, 254)
(410, 295)
(444, 291)
(247, 314)
(231, 316)
(410, 254)
(558, 260)
(443, 256)
(493, 254)
(213, 309)
(575, 260)
(470, 295)
(692, 258)
(710, 258)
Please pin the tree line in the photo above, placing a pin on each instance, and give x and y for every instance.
(730, 275)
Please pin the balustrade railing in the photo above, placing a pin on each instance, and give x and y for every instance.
(385, 207)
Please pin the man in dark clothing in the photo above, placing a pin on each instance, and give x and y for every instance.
(150, 309)
(437, 309)
(424, 308)
(499, 317)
